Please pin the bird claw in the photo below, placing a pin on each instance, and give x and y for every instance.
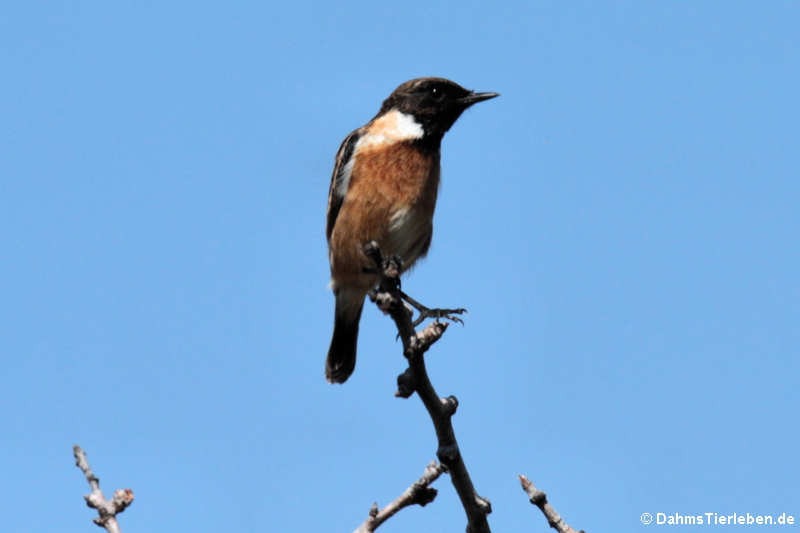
(436, 314)
(390, 269)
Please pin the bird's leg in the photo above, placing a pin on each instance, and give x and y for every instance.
(426, 312)
(389, 270)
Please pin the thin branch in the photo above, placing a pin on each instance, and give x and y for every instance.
(419, 493)
(539, 499)
(106, 509)
(415, 379)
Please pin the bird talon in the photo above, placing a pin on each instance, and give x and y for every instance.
(436, 314)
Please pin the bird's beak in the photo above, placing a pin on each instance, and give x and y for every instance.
(474, 98)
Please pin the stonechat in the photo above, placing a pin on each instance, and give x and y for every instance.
(383, 189)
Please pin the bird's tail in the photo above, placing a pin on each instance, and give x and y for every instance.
(342, 353)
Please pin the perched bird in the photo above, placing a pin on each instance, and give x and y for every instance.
(383, 189)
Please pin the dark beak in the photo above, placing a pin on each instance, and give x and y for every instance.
(474, 98)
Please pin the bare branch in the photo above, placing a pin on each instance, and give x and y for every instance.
(419, 493)
(415, 379)
(539, 499)
(106, 509)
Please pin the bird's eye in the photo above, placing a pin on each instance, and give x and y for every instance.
(437, 94)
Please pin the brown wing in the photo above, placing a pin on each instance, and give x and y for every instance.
(340, 180)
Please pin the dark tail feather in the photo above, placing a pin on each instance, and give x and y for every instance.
(342, 354)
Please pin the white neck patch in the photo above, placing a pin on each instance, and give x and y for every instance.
(392, 127)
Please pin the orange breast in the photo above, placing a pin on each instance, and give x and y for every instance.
(389, 184)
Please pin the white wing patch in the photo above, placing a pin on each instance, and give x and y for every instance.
(347, 171)
(392, 127)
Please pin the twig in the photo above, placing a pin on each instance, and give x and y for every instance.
(106, 509)
(415, 379)
(539, 499)
(419, 493)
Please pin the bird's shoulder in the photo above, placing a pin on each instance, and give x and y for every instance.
(388, 129)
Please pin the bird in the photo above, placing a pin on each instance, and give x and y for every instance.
(383, 190)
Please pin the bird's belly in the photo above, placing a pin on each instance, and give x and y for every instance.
(408, 235)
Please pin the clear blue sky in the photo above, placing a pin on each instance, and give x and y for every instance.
(622, 225)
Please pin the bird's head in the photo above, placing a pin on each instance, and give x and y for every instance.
(435, 103)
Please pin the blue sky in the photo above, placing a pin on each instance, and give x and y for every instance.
(621, 223)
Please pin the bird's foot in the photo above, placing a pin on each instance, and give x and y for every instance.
(388, 268)
(388, 290)
(436, 313)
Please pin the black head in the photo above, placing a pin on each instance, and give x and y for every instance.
(435, 103)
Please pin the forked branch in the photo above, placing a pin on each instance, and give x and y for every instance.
(107, 510)
(419, 493)
(415, 378)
